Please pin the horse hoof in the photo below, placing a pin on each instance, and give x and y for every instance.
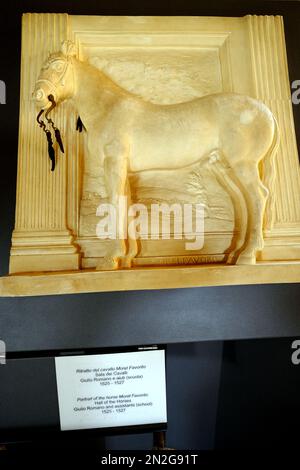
(126, 262)
(231, 258)
(246, 259)
(107, 264)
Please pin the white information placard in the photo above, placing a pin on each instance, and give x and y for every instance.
(111, 390)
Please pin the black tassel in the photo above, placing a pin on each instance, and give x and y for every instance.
(79, 125)
(51, 156)
(51, 151)
(59, 140)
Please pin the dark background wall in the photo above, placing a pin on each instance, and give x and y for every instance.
(242, 393)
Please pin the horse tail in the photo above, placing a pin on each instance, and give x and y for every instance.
(269, 177)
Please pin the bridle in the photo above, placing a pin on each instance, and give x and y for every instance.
(60, 79)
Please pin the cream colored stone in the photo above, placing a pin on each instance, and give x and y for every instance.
(176, 109)
(147, 278)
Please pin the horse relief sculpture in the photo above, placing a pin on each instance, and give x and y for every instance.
(235, 136)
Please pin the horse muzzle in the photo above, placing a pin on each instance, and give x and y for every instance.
(40, 96)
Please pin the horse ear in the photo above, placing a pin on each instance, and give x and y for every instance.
(68, 48)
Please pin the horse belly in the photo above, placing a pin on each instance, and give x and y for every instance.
(172, 148)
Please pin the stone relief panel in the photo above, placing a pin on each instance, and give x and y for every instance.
(170, 78)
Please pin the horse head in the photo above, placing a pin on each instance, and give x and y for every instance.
(54, 84)
(56, 78)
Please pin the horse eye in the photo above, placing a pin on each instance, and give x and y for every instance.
(58, 66)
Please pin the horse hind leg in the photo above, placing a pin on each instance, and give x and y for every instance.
(226, 177)
(256, 195)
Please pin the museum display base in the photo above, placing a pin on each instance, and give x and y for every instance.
(32, 284)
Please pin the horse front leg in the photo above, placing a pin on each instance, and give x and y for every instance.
(132, 243)
(115, 176)
(226, 177)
